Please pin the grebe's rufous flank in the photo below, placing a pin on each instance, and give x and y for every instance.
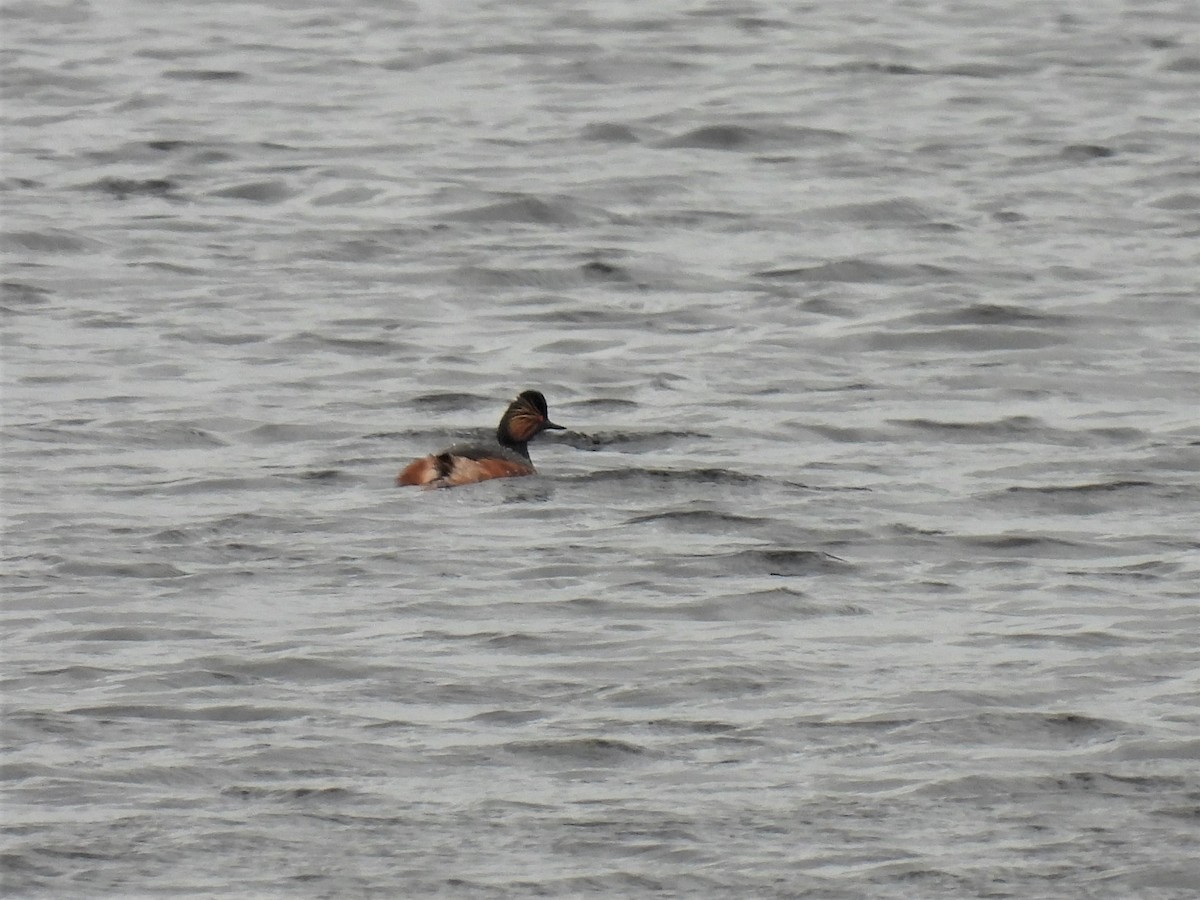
(525, 418)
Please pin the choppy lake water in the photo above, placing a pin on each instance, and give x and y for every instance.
(868, 567)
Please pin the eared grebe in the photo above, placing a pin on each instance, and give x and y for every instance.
(525, 419)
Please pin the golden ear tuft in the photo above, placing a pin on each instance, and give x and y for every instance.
(523, 426)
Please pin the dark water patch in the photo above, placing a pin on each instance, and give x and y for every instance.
(51, 240)
(753, 24)
(977, 340)
(481, 277)
(185, 487)
(1048, 158)
(579, 751)
(150, 570)
(19, 184)
(17, 296)
(990, 70)
(318, 475)
(508, 717)
(132, 153)
(229, 551)
(449, 401)
(369, 248)
(271, 191)
(1085, 152)
(681, 477)
(599, 317)
(426, 440)
(47, 13)
(1075, 273)
(1187, 202)
(51, 379)
(520, 642)
(875, 67)
(1080, 640)
(349, 196)
(601, 405)
(568, 347)
(73, 673)
(287, 667)
(1188, 812)
(421, 59)
(534, 48)
(700, 219)
(467, 694)
(64, 434)
(1024, 729)
(899, 211)
(862, 271)
(599, 270)
(534, 574)
(124, 188)
(218, 338)
(730, 137)
(287, 433)
(1114, 785)
(989, 314)
(702, 521)
(75, 856)
(234, 714)
(205, 75)
(240, 523)
(109, 320)
(20, 772)
(52, 87)
(691, 726)
(1009, 216)
(305, 794)
(1011, 428)
(165, 435)
(37, 725)
(851, 435)
(904, 530)
(616, 69)
(582, 316)
(1151, 570)
(823, 727)
(393, 725)
(1019, 427)
(195, 152)
(137, 633)
(618, 882)
(1101, 487)
(168, 145)
(609, 133)
(1185, 64)
(213, 156)
(438, 635)
(1092, 498)
(736, 681)
(527, 209)
(1032, 545)
(782, 563)
(776, 605)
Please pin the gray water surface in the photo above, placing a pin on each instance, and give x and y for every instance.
(868, 566)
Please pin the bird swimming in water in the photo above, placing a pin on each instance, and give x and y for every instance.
(525, 418)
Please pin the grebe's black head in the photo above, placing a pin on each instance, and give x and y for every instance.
(525, 418)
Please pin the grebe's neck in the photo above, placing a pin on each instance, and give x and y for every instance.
(505, 439)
